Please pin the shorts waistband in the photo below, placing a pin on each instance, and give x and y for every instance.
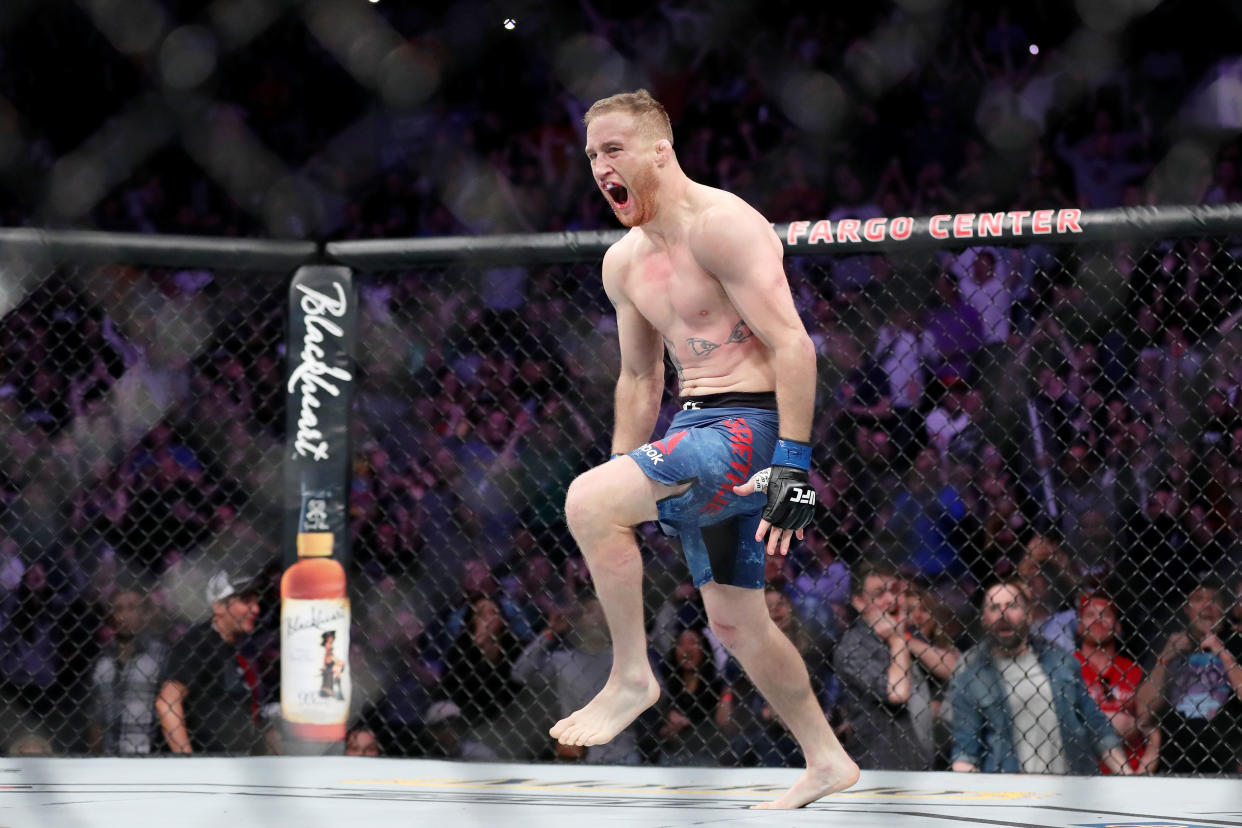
(731, 399)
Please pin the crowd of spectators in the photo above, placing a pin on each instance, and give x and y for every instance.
(1066, 419)
(890, 109)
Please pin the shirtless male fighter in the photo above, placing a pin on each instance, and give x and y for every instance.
(699, 277)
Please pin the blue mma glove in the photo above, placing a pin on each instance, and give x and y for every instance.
(791, 500)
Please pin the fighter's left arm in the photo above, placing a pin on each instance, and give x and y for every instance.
(737, 247)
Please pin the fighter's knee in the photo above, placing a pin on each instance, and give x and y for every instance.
(608, 498)
(727, 634)
(583, 505)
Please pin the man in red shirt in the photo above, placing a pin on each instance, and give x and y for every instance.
(1112, 679)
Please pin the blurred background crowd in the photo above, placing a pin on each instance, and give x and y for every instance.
(342, 119)
(1067, 415)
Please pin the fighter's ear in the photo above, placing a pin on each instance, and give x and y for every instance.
(664, 150)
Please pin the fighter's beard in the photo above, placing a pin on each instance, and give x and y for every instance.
(643, 190)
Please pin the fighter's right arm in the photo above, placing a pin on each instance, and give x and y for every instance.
(641, 381)
(170, 709)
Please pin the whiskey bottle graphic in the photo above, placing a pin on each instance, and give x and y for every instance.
(313, 602)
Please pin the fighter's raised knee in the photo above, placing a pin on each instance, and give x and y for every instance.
(616, 493)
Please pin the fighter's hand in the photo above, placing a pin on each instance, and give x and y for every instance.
(791, 504)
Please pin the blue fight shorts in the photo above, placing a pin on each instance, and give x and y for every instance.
(715, 442)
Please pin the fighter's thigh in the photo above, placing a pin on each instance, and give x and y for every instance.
(616, 492)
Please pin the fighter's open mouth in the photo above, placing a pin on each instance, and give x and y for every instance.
(620, 195)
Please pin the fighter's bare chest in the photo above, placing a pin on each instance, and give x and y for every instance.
(674, 293)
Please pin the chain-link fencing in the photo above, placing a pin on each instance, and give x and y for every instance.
(1061, 412)
(142, 440)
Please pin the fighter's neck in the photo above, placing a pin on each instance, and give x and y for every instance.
(675, 208)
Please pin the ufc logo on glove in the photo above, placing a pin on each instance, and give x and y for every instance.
(801, 495)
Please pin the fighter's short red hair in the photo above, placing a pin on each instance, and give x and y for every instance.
(652, 117)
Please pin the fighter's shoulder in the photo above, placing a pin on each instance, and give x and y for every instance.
(723, 214)
(621, 251)
(617, 261)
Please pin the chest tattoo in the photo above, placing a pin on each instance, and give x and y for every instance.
(702, 347)
(740, 333)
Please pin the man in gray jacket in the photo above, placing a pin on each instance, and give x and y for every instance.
(885, 696)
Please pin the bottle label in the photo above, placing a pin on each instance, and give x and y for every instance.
(315, 512)
(315, 535)
(314, 672)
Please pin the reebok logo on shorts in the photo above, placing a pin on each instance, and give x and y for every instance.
(655, 451)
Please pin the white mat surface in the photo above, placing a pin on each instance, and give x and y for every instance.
(306, 791)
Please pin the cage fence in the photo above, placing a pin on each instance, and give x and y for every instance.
(1061, 410)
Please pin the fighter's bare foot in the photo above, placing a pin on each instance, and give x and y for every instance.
(815, 784)
(610, 712)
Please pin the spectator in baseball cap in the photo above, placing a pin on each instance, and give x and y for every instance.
(209, 697)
